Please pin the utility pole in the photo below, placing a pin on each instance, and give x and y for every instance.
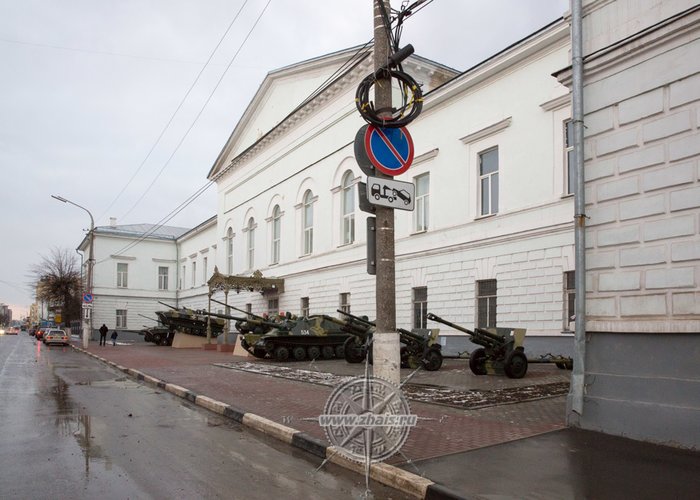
(386, 350)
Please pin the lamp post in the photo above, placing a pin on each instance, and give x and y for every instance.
(87, 317)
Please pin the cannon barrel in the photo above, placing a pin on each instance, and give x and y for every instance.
(168, 306)
(148, 317)
(239, 310)
(434, 317)
(356, 318)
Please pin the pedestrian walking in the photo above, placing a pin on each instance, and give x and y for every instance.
(114, 337)
(103, 334)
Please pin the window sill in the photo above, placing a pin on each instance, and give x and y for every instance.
(422, 231)
(346, 244)
(565, 196)
(487, 216)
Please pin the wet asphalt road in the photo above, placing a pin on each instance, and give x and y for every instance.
(73, 427)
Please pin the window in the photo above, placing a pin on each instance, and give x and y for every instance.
(422, 208)
(488, 181)
(486, 303)
(345, 302)
(162, 278)
(205, 271)
(249, 308)
(348, 208)
(308, 222)
(122, 275)
(569, 157)
(251, 243)
(273, 306)
(420, 307)
(183, 277)
(276, 233)
(569, 298)
(229, 251)
(304, 307)
(121, 318)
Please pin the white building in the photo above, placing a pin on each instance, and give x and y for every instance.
(493, 222)
(641, 100)
(490, 240)
(135, 267)
(492, 236)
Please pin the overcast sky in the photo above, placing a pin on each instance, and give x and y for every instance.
(88, 86)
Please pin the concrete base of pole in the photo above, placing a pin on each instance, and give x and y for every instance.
(387, 356)
(86, 333)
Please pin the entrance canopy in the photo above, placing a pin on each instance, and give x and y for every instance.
(254, 283)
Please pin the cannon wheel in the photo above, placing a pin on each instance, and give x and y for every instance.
(354, 353)
(516, 364)
(281, 353)
(327, 352)
(313, 352)
(157, 338)
(477, 361)
(432, 361)
(299, 353)
(339, 351)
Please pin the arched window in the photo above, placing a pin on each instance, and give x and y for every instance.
(229, 251)
(251, 243)
(348, 209)
(276, 233)
(308, 222)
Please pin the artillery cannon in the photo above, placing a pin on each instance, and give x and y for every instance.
(419, 346)
(502, 349)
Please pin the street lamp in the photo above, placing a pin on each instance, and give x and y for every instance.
(87, 318)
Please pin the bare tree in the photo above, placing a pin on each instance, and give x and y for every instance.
(58, 282)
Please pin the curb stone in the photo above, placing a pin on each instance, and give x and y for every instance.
(389, 475)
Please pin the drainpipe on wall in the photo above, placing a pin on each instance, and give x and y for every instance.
(578, 373)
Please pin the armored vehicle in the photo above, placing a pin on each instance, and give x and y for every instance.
(190, 321)
(159, 335)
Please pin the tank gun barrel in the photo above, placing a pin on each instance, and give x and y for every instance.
(148, 317)
(239, 310)
(168, 306)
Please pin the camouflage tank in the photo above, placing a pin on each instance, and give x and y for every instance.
(190, 321)
(313, 337)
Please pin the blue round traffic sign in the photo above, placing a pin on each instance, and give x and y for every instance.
(87, 298)
(389, 149)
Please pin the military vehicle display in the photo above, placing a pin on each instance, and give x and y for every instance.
(502, 349)
(419, 347)
(290, 338)
(159, 335)
(189, 321)
(313, 337)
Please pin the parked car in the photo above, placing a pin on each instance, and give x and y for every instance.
(13, 330)
(56, 336)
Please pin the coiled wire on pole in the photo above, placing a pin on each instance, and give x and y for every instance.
(411, 101)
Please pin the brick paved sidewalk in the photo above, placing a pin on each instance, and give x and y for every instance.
(441, 430)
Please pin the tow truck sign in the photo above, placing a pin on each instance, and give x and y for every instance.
(392, 194)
